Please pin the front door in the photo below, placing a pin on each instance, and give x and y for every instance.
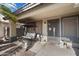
(53, 28)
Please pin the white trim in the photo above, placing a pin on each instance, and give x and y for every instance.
(30, 6)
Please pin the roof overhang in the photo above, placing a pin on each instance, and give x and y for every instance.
(47, 11)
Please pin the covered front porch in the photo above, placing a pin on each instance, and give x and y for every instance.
(44, 28)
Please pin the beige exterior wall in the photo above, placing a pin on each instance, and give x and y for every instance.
(39, 27)
(12, 29)
(1, 30)
(2, 25)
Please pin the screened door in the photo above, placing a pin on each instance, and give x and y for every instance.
(53, 27)
(70, 27)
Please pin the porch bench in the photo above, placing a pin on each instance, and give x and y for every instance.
(30, 39)
(32, 36)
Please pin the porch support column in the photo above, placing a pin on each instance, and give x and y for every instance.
(12, 29)
(60, 28)
(44, 31)
(61, 43)
(77, 28)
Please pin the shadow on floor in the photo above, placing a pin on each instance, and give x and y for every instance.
(75, 46)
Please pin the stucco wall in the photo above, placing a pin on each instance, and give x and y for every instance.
(39, 27)
(1, 30)
(12, 29)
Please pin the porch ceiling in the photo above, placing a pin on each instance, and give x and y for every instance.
(51, 10)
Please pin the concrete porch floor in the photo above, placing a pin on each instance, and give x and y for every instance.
(51, 49)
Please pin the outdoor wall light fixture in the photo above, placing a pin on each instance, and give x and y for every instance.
(44, 22)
